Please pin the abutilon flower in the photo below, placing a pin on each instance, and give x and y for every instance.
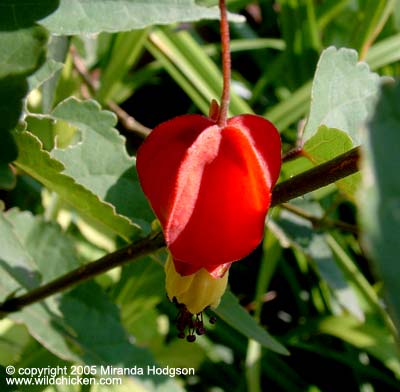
(210, 186)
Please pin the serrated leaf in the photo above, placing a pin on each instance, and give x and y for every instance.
(40, 165)
(326, 144)
(380, 194)
(94, 16)
(343, 93)
(44, 129)
(22, 51)
(232, 313)
(45, 72)
(100, 161)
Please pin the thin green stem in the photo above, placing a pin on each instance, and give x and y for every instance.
(313, 25)
(380, 23)
(362, 284)
(320, 222)
(267, 269)
(53, 207)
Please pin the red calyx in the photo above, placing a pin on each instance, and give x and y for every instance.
(210, 186)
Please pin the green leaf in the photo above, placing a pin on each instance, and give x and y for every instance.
(139, 290)
(16, 265)
(12, 91)
(16, 14)
(127, 49)
(100, 161)
(44, 73)
(384, 52)
(180, 354)
(83, 318)
(143, 278)
(45, 129)
(27, 244)
(35, 355)
(368, 336)
(61, 84)
(326, 144)
(22, 50)
(374, 16)
(21, 53)
(94, 16)
(313, 244)
(53, 252)
(13, 340)
(46, 325)
(38, 163)
(343, 93)
(380, 194)
(7, 177)
(232, 313)
(99, 334)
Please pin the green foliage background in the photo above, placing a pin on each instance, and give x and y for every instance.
(324, 285)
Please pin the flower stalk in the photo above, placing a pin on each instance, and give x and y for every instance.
(226, 65)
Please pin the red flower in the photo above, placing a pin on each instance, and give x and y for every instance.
(210, 187)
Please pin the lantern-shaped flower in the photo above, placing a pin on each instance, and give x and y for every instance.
(210, 187)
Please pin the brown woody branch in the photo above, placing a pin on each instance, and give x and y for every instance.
(312, 179)
(317, 177)
(122, 256)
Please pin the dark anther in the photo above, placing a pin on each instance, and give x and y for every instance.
(200, 331)
(191, 338)
(189, 325)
